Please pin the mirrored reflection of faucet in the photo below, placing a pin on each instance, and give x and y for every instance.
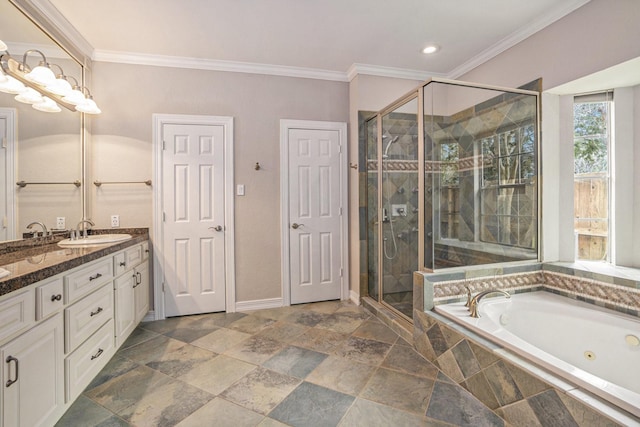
(35, 234)
(85, 234)
(473, 305)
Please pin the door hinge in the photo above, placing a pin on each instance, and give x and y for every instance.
(340, 148)
(162, 286)
(341, 272)
(164, 144)
(4, 142)
(340, 211)
(164, 217)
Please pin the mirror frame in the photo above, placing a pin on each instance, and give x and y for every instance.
(53, 24)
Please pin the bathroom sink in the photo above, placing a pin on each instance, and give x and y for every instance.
(94, 240)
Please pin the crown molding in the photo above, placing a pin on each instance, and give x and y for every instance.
(515, 38)
(50, 20)
(398, 73)
(216, 65)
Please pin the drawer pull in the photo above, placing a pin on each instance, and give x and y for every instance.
(95, 356)
(10, 359)
(146, 251)
(138, 278)
(97, 276)
(56, 297)
(99, 310)
(123, 264)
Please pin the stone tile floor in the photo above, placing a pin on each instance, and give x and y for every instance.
(321, 364)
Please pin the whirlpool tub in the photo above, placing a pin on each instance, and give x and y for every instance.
(594, 348)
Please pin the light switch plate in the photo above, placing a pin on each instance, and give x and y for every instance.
(240, 190)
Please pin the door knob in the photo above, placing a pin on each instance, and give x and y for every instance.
(216, 228)
(296, 226)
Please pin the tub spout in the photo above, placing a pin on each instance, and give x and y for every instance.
(475, 301)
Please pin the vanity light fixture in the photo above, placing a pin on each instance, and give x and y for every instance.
(53, 89)
(432, 48)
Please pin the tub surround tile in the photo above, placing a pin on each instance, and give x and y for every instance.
(502, 383)
(312, 402)
(484, 357)
(449, 365)
(437, 340)
(466, 359)
(583, 416)
(519, 414)
(550, 410)
(479, 386)
(526, 383)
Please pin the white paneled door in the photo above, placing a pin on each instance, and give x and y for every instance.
(193, 218)
(315, 214)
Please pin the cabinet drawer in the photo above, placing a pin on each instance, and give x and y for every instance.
(17, 314)
(85, 363)
(87, 279)
(49, 298)
(86, 316)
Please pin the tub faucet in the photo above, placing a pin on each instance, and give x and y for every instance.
(79, 229)
(44, 228)
(473, 305)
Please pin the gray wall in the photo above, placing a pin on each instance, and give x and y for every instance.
(122, 146)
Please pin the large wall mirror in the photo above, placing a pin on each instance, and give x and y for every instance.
(43, 150)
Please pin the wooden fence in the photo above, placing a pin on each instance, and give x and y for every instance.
(591, 212)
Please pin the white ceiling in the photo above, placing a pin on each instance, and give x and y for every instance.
(329, 35)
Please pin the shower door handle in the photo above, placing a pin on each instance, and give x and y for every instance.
(296, 226)
(216, 228)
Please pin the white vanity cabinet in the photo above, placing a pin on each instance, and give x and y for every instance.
(56, 335)
(32, 375)
(131, 290)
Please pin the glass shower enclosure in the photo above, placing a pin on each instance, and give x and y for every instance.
(452, 181)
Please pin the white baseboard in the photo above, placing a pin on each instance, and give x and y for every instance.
(151, 315)
(354, 297)
(259, 304)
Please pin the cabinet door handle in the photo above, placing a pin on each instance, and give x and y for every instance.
(10, 359)
(95, 356)
(98, 311)
(138, 277)
(97, 276)
(56, 297)
(123, 264)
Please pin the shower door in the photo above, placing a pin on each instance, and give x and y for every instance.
(399, 207)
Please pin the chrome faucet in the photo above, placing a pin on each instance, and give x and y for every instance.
(473, 305)
(79, 229)
(44, 228)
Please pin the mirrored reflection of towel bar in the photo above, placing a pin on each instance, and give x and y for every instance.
(99, 183)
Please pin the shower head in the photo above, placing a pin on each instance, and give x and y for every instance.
(386, 150)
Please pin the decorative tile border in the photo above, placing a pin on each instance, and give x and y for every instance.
(616, 297)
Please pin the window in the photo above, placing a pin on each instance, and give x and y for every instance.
(592, 118)
(449, 184)
(508, 194)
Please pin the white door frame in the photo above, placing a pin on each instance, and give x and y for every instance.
(10, 173)
(341, 128)
(159, 120)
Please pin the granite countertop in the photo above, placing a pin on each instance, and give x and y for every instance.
(38, 260)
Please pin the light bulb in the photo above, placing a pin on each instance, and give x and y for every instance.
(89, 107)
(12, 86)
(29, 96)
(42, 75)
(48, 105)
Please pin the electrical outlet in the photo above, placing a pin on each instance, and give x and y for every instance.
(115, 220)
(60, 223)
